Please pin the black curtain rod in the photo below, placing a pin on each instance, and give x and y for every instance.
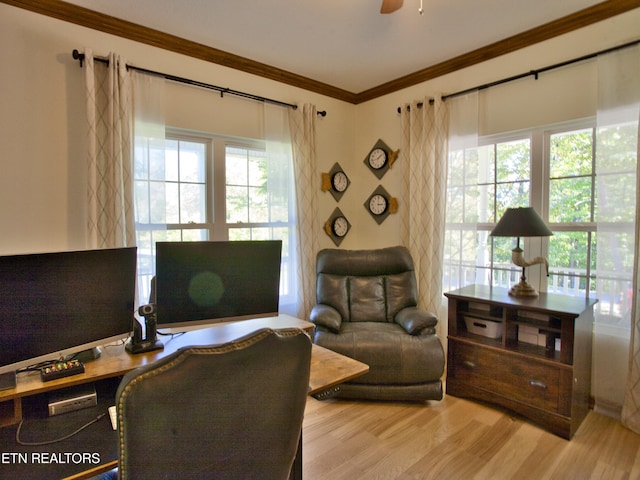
(534, 73)
(223, 90)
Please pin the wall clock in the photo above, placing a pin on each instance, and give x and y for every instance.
(337, 226)
(380, 204)
(336, 182)
(380, 159)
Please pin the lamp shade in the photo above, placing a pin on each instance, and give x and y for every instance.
(521, 222)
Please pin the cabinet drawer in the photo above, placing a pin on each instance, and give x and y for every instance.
(520, 379)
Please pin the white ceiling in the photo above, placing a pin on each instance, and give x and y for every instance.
(344, 43)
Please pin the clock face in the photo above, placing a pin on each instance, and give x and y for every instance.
(377, 158)
(340, 226)
(339, 181)
(378, 204)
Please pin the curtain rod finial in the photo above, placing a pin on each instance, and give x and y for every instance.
(78, 56)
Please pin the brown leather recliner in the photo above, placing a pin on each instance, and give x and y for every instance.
(366, 309)
(228, 411)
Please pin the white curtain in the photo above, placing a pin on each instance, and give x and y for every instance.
(282, 201)
(302, 123)
(618, 212)
(109, 160)
(465, 248)
(149, 163)
(424, 156)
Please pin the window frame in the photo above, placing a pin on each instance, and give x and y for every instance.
(215, 225)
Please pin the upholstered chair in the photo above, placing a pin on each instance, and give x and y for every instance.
(367, 309)
(225, 411)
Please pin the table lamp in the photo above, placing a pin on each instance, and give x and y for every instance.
(522, 222)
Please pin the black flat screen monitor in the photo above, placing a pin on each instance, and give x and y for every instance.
(208, 282)
(62, 303)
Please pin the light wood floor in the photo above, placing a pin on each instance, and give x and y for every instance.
(457, 439)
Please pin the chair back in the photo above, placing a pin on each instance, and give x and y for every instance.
(366, 285)
(231, 411)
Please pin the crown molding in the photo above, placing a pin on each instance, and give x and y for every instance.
(122, 28)
(569, 23)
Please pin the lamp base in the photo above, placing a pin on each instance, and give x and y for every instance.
(523, 289)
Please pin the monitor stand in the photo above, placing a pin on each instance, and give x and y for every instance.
(88, 355)
(7, 380)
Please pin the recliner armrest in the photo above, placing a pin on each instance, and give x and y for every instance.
(414, 320)
(326, 316)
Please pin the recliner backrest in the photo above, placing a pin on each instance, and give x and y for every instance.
(226, 412)
(366, 285)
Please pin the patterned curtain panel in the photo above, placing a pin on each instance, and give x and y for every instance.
(302, 122)
(424, 147)
(110, 221)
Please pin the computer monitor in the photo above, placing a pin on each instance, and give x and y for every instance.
(56, 304)
(207, 282)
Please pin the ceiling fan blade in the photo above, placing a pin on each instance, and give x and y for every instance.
(390, 6)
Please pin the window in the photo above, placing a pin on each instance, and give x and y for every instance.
(200, 187)
(483, 182)
(571, 206)
(552, 169)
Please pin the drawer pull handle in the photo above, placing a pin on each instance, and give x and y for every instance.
(537, 384)
(469, 364)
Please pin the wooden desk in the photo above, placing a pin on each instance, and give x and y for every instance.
(328, 369)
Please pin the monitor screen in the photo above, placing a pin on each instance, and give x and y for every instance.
(208, 282)
(64, 302)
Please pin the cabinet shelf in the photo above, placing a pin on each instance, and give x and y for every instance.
(544, 380)
(534, 350)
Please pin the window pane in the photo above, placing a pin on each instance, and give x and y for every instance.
(192, 162)
(258, 169)
(192, 203)
(455, 170)
(616, 197)
(511, 195)
(569, 251)
(484, 198)
(167, 168)
(236, 166)
(482, 164)
(570, 200)
(239, 234)
(455, 210)
(142, 201)
(237, 205)
(157, 202)
(258, 205)
(512, 161)
(140, 162)
(195, 235)
(172, 207)
(571, 154)
(502, 247)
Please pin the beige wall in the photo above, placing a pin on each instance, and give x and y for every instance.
(559, 95)
(42, 127)
(42, 123)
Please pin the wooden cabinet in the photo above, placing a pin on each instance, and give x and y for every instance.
(530, 355)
